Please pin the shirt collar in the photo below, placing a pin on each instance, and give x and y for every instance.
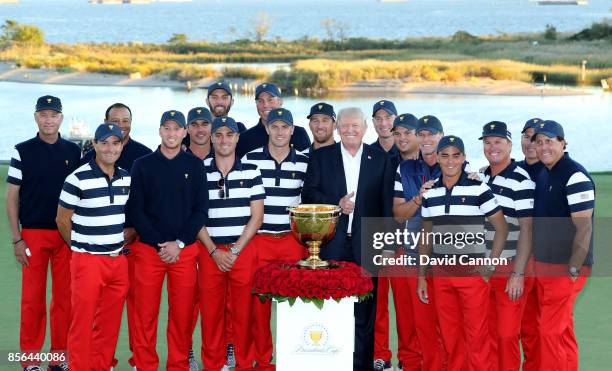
(346, 153)
(463, 179)
(213, 165)
(291, 156)
(504, 173)
(98, 171)
(59, 136)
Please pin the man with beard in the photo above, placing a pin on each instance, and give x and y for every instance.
(322, 123)
(267, 98)
(220, 101)
(169, 207)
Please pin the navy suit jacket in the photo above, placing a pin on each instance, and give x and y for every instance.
(325, 182)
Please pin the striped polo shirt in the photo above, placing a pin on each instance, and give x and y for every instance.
(282, 183)
(99, 208)
(228, 216)
(514, 191)
(461, 209)
(564, 189)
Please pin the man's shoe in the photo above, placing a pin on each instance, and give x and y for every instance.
(382, 365)
(60, 367)
(230, 356)
(193, 364)
(32, 368)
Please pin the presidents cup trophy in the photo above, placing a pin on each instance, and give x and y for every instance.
(314, 225)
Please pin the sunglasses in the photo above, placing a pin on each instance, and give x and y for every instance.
(221, 185)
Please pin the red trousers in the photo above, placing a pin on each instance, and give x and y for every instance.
(462, 306)
(214, 287)
(99, 288)
(149, 274)
(381, 323)
(269, 249)
(505, 318)
(530, 333)
(418, 334)
(557, 294)
(46, 245)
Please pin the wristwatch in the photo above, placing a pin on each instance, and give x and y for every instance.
(180, 244)
(235, 250)
(573, 271)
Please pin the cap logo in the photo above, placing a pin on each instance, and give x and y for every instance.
(199, 111)
(186, 175)
(425, 119)
(402, 118)
(320, 106)
(49, 100)
(263, 85)
(541, 125)
(223, 119)
(218, 84)
(451, 139)
(382, 102)
(172, 113)
(279, 112)
(535, 121)
(492, 126)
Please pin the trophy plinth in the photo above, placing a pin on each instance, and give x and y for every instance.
(314, 225)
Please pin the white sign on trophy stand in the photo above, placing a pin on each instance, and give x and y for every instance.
(311, 338)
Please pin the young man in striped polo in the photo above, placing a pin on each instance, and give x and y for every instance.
(282, 172)
(169, 207)
(513, 190)
(457, 203)
(228, 263)
(563, 244)
(91, 217)
(36, 173)
(418, 333)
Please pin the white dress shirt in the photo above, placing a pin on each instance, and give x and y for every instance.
(352, 165)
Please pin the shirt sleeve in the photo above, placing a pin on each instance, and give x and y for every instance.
(487, 202)
(425, 212)
(398, 188)
(71, 192)
(257, 189)
(580, 192)
(14, 171)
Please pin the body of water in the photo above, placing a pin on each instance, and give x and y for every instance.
(586, 118)
(72, 21)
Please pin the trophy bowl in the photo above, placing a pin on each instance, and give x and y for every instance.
(313, 225)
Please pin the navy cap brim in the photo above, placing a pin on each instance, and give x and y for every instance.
(321, 113)
(451, 145)
(108, 135)
(217, 88)
(495, 135)
(48, 108)
(173, 120)
(431, 130)
(280, 119)
(409, 127)
(388, 110)
(549, 134)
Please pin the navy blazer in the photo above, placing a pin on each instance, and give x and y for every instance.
(325, 183)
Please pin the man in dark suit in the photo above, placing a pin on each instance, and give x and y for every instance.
(358, 178)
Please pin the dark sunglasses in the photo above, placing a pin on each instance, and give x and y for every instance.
(221, 185)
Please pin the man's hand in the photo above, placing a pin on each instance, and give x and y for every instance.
(169, 252)
(225, 259)
(515, 286)
(20, 253)
(129, 235)
(425, 187)
(422, 290)
(346, 204)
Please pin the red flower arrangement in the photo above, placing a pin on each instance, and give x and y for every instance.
(284, 281)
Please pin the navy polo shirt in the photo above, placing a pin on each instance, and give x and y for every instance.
(393, 153)
(533, 170)
(39, 169)
(257, 136)
(283, 185)
(210, 153)
(132, 151)
(564, 189)
(168, 199)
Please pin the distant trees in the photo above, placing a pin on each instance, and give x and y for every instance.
(21, 34)
(178, 38)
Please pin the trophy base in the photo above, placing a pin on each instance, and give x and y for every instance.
(313, 264)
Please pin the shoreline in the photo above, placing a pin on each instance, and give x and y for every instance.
(10, 73)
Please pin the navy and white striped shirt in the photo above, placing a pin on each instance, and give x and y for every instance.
(514, 191)
(462, 208)
(282, 183)
(228, 216)
(99, 208)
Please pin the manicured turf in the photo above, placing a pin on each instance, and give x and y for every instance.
(593, 317)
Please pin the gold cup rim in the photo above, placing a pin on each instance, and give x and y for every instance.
(318, 209)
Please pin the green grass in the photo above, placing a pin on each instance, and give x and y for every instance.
(593, 318)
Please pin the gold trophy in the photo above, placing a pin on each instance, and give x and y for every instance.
(314, 225)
